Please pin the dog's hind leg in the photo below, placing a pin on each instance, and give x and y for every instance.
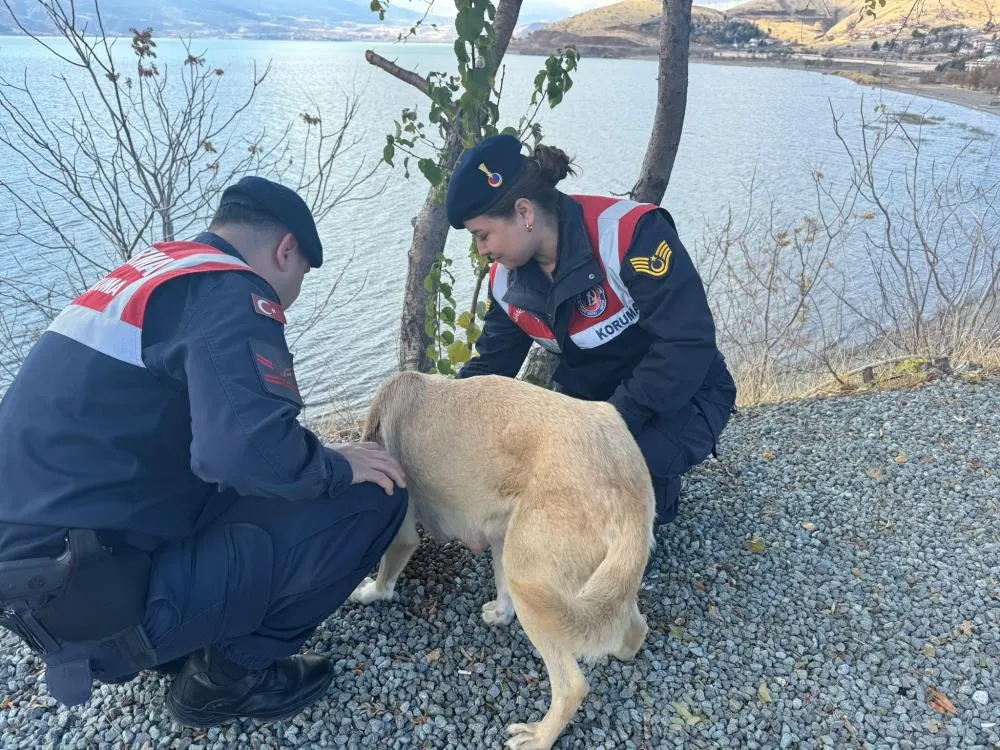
(634, 636)
(391, 565)
(569, 688)
(500, 611)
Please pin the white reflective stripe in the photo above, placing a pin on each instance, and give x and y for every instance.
(105, 331)
(607, 232)
(608, 236)
(498, 289)
(117, 305)
(108, 335)
(602, 333)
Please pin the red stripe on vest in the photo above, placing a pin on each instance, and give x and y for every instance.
(135, 310)
(98, 299)
(528, 322)
(626, 228)
(593, 206)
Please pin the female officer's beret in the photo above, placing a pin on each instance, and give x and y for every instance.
(482, 177)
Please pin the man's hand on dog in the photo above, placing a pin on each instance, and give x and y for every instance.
(370, 463)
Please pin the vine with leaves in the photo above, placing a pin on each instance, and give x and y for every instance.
(470, 98)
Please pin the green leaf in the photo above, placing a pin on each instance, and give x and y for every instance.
(446, 290)
(429, 328)
(431, 171)
(458, 352)
(448, 315)
(464, 320)
(445, 368)
(755, 545)
(469, 23)
(461, 53)
(429, 284)
(387, 153)
(448, 338)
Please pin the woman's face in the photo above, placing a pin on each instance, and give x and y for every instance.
(506, 239)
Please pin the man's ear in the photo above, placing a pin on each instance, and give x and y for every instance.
(284, 251)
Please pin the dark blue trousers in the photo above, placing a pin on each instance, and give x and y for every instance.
(259, 579)
(674, 444)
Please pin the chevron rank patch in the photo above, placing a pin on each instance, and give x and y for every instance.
(656, 265)
(275, 370)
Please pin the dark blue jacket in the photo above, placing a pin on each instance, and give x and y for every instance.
(652, 369)
(157, 452)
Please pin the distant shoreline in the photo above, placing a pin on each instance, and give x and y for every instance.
(977, 100)
(895, 75)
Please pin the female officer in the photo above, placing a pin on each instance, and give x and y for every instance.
(607, 285)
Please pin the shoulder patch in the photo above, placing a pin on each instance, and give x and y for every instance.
(268, 308)
(656, 265)
(275, 370)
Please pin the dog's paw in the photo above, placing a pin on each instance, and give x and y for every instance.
(498, 613)
(367, 592)
(528, 737)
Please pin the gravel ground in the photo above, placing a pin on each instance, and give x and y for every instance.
(833, 581)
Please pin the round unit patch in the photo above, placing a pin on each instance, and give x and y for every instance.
(592, 302)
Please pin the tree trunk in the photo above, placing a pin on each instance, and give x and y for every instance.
(671, 102)
(540, 367)
(430, 231)
(430, 228)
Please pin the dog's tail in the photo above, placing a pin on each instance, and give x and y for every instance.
(591, 617)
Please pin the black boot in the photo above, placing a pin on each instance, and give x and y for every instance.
(170, 668)
(211, 689)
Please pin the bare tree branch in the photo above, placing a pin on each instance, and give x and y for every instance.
(406, 76)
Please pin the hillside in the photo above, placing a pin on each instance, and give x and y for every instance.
(840, 22)
(631, 27)
(923, 17)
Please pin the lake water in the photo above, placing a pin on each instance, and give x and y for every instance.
(742, 123)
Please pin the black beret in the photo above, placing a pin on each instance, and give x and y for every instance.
(285, 205)
(482, 177)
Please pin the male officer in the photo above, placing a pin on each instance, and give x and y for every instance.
(161, 505)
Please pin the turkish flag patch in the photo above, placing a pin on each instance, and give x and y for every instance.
(268, 308)
(274, 367)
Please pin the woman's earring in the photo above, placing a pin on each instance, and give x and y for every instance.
(528, 227)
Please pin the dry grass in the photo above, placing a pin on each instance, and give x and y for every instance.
(766, 385)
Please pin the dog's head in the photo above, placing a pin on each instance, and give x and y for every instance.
(390, 402)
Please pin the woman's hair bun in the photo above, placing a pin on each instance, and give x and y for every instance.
(553, 163)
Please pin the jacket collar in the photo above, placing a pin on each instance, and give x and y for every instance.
(213, 240)
(576, 270)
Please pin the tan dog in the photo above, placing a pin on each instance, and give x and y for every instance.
(556, 487)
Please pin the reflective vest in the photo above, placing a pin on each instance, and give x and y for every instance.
(605, 311)
(108, 317)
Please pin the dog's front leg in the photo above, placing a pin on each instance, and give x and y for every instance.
(391, 565)
(501, 610)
